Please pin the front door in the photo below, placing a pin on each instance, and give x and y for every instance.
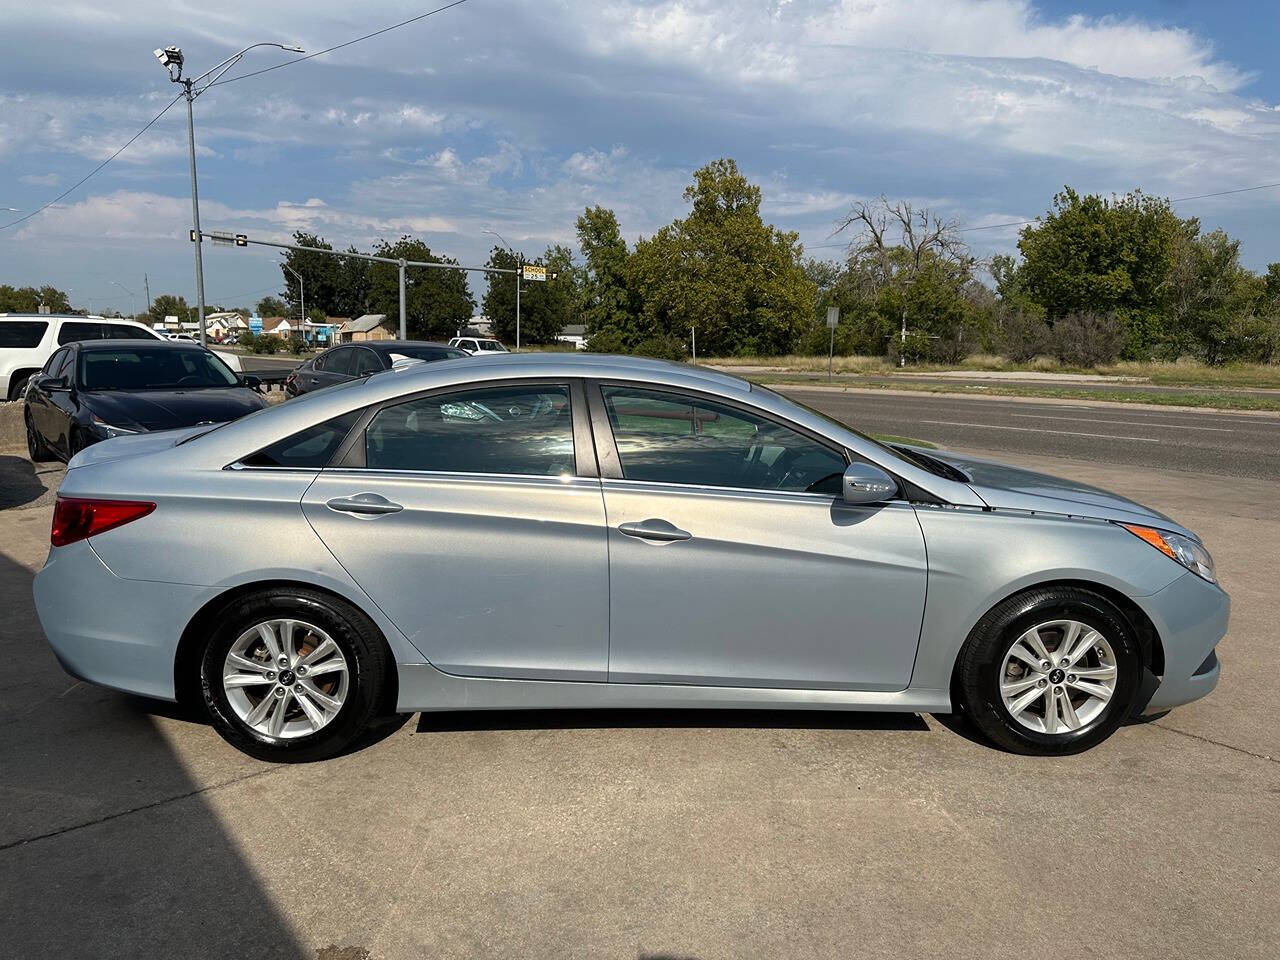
(467, 517)
(734, 561)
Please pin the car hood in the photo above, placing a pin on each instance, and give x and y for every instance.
(167, 409)
(1005, 487)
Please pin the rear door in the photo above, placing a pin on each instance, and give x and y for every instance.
(733, 558)
(474, 519)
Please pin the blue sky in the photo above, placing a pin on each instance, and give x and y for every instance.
(514, 116)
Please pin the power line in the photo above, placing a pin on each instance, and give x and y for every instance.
(243, 76)
(319, 53)
(14, 223)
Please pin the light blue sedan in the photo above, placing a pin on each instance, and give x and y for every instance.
(590, 531)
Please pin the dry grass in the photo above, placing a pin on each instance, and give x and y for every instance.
(1184, 372)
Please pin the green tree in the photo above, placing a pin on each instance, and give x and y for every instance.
(547, 307)
(437, 302)
(608, 307)
(272, 307)
(723, 270)
(499, 303)
(31, 299)
(170, 305)
(1210, 298)
(1111, 256)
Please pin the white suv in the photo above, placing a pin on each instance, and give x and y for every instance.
(27, 340)
(477, 345)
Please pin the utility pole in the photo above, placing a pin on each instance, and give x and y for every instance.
(171, 59)
(833, 321)
(403, 334)
(146, 285)
(519, 273)
(693, 336)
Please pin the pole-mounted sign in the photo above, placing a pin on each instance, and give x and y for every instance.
(533, 271)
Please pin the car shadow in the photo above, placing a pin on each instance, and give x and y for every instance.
(610, 719)
(23, 482)
(108, 843)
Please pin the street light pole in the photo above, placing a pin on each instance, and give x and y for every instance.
(403, 334)
(133, 313)
(171, 58)
(519, 272)
(302, 291)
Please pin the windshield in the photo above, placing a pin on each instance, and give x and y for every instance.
(153, 368)
(492, 345)
(426, 353)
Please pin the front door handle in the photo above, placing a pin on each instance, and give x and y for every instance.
(364, 504)
(659, 530)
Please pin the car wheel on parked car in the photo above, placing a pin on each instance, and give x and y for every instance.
(36, 450)
(292, 675)
(1050, 671)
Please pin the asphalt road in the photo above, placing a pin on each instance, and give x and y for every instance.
(1225, 444)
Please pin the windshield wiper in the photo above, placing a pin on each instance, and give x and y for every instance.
(935, 466)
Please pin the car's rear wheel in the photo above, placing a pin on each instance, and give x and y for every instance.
(1050, 671)
(36, 448)
(292, 675)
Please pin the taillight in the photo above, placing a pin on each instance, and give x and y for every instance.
(75, 518)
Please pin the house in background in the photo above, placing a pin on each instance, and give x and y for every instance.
(225, 326)
(574, 333)
(280, 327)
(372, 326)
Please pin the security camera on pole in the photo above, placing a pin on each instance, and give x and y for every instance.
(171, 59)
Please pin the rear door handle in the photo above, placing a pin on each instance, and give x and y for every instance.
(654, 529)
(364, 504)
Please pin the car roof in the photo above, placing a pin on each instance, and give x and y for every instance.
(68, 316)
(139, 342)
(394, 344)
(599, 365)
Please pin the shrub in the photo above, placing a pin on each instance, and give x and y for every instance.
(1088, 339)
(661, 348)
(606, 341)
(296, 345)
(1025, 336)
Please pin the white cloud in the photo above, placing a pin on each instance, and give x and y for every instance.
(40, 179)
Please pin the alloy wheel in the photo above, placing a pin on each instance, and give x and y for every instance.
(1058, 677)
(285, 678)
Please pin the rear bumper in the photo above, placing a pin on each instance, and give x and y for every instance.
(116, 633)
(1190, 615)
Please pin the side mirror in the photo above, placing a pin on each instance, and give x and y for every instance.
(50, 383)
(867, 483)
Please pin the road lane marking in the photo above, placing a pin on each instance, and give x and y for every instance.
(1056, 433)
(1130, 423)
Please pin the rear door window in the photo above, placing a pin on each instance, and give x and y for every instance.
(22, 334)
(365, 363)
(526, 430)
(122, 331)
(75, 331)
(339, 362)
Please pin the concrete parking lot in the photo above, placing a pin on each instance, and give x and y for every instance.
(128, 828)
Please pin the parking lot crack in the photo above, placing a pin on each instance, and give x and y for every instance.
(138, 809)
(1216, 743)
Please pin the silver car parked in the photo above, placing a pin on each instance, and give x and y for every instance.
(591, 531)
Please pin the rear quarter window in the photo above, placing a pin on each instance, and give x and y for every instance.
(22, 334)
(312, 447)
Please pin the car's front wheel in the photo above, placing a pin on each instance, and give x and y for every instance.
(292, 675)
(1050, 671)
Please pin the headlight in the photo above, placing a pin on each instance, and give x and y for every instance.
(110, 429)
(1188, 552)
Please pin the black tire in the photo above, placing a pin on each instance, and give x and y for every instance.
(36, 449)
(18, 386)
(358, 639)
(978, 669)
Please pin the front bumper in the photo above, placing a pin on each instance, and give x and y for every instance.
(1190, 616)
(116, 633)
